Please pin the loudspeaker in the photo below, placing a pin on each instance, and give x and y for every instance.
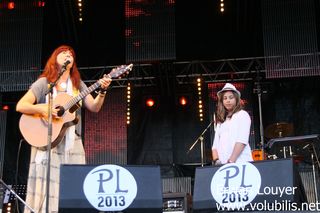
(84, 186)
(280, 183)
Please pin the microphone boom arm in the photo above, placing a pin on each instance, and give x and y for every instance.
(200, 138)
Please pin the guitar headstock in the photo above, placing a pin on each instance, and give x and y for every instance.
(120, 70)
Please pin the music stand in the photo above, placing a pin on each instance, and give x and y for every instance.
(303, 145)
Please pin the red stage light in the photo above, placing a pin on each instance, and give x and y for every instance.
(183, 101)
(41, 3)
(11, 5)
(5, 107)
(150, 102)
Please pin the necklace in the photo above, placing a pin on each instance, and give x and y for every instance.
(63, 85)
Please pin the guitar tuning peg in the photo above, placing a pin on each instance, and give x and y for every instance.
(130, 66)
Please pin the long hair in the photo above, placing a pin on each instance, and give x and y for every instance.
(221, 113)
(51, 70)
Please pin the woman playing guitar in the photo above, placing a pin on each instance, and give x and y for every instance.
(69, 148)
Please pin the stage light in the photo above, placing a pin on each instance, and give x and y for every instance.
(183, 101)
(11, 5)
(40, 3)
(221, 6)
(200, 99)
(5, 107)
(8, 208)
(150, 102)
(80, 10)
(128, 102)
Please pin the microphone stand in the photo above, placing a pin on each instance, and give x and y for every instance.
(50, 105)
(200, 138)
(314, 159)
(16, 195)
(259, 92)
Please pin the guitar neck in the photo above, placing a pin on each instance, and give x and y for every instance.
(81, 96)
(113, 74)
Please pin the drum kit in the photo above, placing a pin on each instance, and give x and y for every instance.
(282, 144)
(302, 149)
(276, 130)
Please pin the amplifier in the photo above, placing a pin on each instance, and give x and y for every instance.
(176, 202)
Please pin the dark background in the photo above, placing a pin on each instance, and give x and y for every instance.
(202, 32)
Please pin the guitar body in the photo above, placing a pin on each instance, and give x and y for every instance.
(34, 128)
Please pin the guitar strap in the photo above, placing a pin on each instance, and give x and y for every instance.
(70, 133)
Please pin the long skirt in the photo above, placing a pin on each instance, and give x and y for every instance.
(36, 188)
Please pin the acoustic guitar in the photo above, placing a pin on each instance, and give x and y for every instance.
(34, 128)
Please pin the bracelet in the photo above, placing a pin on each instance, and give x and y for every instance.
(230, 161)
(102, 91)
(102, 95)
(216, 162)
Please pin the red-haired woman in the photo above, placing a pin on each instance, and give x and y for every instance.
(70, 149)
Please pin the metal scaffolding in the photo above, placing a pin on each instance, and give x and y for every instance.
(185, 72)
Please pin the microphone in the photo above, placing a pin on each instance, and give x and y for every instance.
(66, 64)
